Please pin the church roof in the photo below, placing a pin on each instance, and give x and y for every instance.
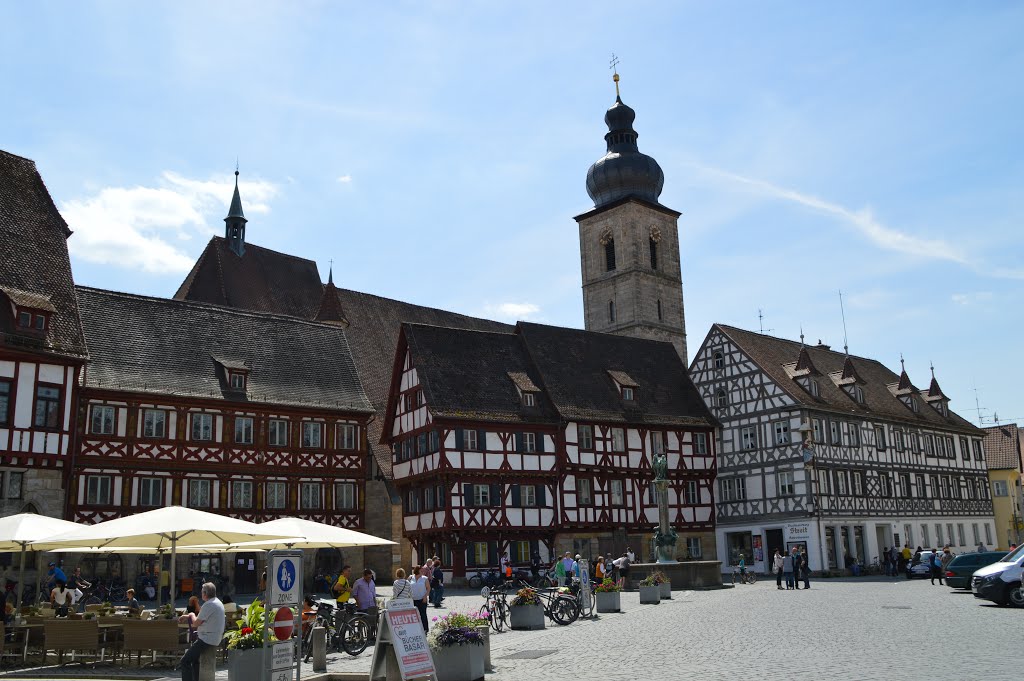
(261, 280)
(172, 347)
(1002, 447)
(37, 268)
(772, 354)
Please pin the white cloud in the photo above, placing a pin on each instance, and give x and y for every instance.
(345, 179)
(862, 220)
(136, 227)
(511, 311)
(971, 298)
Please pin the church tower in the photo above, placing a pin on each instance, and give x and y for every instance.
(234, 223)
(629, 243)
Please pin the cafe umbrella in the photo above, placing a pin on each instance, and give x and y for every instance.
(18, 532)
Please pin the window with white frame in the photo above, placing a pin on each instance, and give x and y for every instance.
(199, 493)
(277, 433)
(1000, 488)
(237, 380)
(857, 482)
(748, 437)
(818, 428)
(481, 495)
(855, 435)
(988, 534)
(617, 497)
(979, 453)
(311, 493)
(469, 440)
(884, 484)
(813, 388)
(528, 495)
(5, 401)
(312, 434)
(897, 440)
(693, 547)
(700, 443)
(919, 486)
(733, 489)
(529, 442)
(781, 430)
(880, 438)
(618, 440)
(151, 492)
(344, 496)
(154, 423)
(243, 430)
(657, 442)
(584, 495)
(960, 534)
(241, 494)
(98, 490)
(276, 495)
(977, 535)
(586, 438)
(719, 360)
(905, 485)
(842, 486)
(692, 493)
(858, 394)
(102, 420)
(202, 427)
(951, 538)
(938, 534)
(925, 534)
(346, 436)
(835, 433)
(965, 450)
(786, 486)
(721, 398)
(628, 394)
(529, 400)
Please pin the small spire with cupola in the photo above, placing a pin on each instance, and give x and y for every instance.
(330, 311)
(905, 391)
(234, 223)
(935, 396)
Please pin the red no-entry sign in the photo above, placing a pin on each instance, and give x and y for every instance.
(284, 624)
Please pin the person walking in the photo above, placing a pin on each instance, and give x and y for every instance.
(210, 631)
(365, 593)
(777, 568)
(935, 563)
(420, 589)
(787, 570)
(560, 572)
(437, 582)
(535, 565)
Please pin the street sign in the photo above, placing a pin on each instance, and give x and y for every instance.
(284, 587)
(282, 656)
(284, 624)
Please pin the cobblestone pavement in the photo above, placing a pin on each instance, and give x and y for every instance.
(862, 630)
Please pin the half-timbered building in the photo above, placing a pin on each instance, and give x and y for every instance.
(541, 440)
(42, 348)
(253, 415)
(836, 453)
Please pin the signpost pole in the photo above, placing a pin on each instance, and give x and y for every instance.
(281, 659)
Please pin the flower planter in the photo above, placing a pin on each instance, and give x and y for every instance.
(485, 632)
(459, 663)
(245, 665)
(650, 595)
(526, 617)
(609, 601)
(666, 591)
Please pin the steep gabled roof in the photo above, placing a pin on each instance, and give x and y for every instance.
(261, 280)
(771, 354)
(1002, 447)
(34, 261)
(574, 368)
(156, 345)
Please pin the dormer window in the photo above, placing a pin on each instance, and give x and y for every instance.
(914, 405)
(628, 394)
(813, 388)
(25, 319)
(237, 380)
(529, 400)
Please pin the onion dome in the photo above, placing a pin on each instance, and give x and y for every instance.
(623, 171)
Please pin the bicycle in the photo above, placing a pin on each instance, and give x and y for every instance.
(325, 619)
(747, 577)
(352, 630)
(586, 606)
(496, 605)
(560, 607)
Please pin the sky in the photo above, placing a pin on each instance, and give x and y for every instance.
(437, 153)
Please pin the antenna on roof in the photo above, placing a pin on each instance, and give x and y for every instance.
(842, 311)
(977, 407)
(760, 322)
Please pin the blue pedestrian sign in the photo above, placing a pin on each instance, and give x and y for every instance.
(284, 586)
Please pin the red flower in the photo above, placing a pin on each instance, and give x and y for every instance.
(246, 631)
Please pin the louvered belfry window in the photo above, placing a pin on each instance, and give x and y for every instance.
(609, 255)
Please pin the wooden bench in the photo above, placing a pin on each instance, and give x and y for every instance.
(153, 637)
(77, 636)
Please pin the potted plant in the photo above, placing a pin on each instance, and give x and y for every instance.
(663, 582)
(609, 598)
(525, 611)
(457, 648)
(245, 645)
(165, 612)
(650, 590)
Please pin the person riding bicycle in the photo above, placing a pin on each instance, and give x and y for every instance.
(54, 575)
(77, 585)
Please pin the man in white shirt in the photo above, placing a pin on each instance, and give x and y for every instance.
(420, 586)
(210, 629)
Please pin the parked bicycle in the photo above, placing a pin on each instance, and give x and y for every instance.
(489, 578)
(100, 592)
(561, 608)
(348, 629)
(747, 577)
(496, 607)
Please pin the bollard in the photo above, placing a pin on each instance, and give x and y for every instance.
(319, 649)
(208, 664)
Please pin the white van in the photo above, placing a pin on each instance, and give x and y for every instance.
(1000, 582)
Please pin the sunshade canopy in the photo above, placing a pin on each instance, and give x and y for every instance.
(307, 534)
(19, 531)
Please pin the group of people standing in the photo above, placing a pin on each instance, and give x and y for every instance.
(793, 567)
(616, 569)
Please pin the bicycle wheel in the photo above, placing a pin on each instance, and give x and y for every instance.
(752, 578)
(564, 611)
(475, 582)
(545, 583)
(355, 636)
(494, 617)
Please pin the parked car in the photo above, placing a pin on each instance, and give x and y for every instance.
(1000, 581)
(962, 567)
(921, 569)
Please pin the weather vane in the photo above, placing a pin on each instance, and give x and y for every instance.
(613, 64)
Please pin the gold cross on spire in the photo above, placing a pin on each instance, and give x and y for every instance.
(613, 64)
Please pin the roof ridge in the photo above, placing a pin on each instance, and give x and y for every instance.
(797, 343)
(457, 328)
(249, 244)
(239, 312)
(422, 307)
(609, 334)
(17, 156)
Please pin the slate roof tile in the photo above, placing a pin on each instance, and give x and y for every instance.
(1002, 447)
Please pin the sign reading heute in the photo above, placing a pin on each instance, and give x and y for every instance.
(409, 640)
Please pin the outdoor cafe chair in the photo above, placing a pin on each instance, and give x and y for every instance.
(17, 646)
(77, 636)
(151, 637)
